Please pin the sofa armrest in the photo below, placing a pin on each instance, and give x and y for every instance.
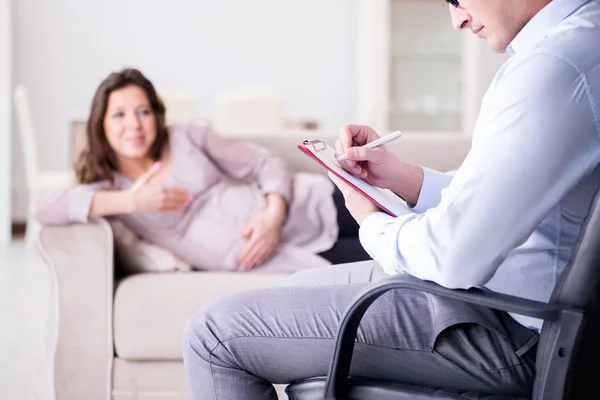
(81, 260)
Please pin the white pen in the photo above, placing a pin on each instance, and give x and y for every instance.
(375, 143)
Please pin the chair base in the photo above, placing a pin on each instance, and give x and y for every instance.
(363, 389)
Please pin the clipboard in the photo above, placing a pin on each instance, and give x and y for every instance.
(383, 198)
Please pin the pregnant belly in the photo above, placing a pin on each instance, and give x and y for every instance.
(213, 244)
(212, 237)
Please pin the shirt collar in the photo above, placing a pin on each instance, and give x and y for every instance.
(539, 26)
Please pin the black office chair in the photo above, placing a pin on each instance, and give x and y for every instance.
(568, 353)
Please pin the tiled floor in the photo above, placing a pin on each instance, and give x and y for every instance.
(25, 292)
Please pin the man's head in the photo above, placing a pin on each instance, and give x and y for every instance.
(497, 21)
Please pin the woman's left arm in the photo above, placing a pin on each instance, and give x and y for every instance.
(249, 162)
(246, 161)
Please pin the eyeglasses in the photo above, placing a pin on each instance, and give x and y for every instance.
(453, 2)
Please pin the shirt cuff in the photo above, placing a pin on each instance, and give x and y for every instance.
(431, 190)
(283, 189)
(370, 230)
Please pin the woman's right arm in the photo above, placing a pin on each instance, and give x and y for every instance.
(111, 202)
(80, 203)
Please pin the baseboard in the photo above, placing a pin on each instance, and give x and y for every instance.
(18, 228)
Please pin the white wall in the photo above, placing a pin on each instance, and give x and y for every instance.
(5, 121)
(306, 50)
(63, 48)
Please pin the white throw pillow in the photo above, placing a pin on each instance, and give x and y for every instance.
(136, 255)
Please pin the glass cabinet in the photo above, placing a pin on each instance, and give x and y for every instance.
(415, 72)
(426, 82)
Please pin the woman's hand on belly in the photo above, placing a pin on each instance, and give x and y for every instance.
(263, 233)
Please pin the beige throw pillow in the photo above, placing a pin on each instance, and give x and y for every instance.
(136, 255)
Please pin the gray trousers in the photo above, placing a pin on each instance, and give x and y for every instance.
(237, 346)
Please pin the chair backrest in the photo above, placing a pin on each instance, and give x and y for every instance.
(249, 112)
(579, 283)
(579, 287)
(26, 133)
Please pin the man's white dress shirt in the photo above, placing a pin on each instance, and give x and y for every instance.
(509, 217)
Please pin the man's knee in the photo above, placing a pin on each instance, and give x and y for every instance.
(197, 336)
(205, 330)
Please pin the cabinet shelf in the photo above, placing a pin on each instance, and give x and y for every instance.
(423, 114)
(416, 57)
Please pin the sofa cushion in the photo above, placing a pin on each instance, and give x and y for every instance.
(151, 310)
(155, 380)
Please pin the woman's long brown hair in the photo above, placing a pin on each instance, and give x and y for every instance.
(98, 160)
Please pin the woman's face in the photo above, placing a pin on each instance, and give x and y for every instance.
(130, 123)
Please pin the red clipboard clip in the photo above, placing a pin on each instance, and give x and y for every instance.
(316, 144)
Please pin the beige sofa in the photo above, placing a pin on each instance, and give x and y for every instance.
(121, 338)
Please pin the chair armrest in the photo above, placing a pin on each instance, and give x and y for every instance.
(80, 257)
(340, 366)
(482, 297)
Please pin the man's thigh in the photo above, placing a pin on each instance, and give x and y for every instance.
(357, 272)
(286, 334)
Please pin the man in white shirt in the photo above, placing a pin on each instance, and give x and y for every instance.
(508, 219)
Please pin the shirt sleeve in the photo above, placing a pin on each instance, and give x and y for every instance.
(539, 138)
(431, 189)
(65, 206)
(249, 162)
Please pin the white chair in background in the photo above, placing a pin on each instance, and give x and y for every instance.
(181, 107)
(249, 112)
(38, 180)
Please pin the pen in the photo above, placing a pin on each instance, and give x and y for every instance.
(376, 143)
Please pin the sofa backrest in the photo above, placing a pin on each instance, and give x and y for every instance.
(442, 152)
